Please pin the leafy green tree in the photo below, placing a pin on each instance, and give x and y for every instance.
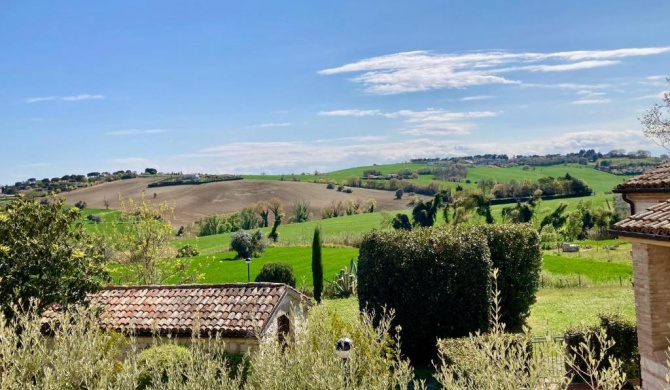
(401, 221)
(556, 219)
(143, 241)
(46, 255)
(276, 273)
(317, 264)
(424, 213)
(247, 245)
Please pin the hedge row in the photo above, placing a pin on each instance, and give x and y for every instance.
(527, 198)
(438, 280)
(182, 182)
(624, 334)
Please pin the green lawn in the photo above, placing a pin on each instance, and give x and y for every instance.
(560, 309)
(555, 310)
(224, 268)
(596, 271)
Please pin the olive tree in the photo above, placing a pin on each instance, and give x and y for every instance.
(46, 257)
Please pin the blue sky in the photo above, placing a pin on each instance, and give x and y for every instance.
(287, 87)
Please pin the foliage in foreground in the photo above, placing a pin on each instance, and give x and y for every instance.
(45, 254)
(449, 264)
(78, 355)
(500, 361)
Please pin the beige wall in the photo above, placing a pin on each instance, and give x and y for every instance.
(644, 200)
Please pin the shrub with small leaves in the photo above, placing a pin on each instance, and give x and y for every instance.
(277, 273)
(187, 251)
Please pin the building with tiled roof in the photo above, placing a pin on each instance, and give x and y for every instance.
(237, 313)
(647, 189)
(648, 228)
(652, 223)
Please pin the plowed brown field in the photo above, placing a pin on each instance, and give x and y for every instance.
(192, 202)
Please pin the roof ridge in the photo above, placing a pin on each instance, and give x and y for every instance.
(191, 286)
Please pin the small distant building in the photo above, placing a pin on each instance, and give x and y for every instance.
(238, 313)
(191, 176)
(648, 228)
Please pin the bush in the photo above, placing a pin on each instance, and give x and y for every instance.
(515, 252)
(80, 205)
(277, 273)
(447, 264)
(157, 361)
(330, 186)
(94, 218)
(624, 335)
(187, 251)
(247, 245)
(398, 194)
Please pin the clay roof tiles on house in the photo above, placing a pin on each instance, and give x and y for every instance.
(655, 179)
(654, 221)
(229, 310)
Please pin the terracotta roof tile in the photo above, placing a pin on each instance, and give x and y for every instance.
(653, 179)
(227, 309)
(654, 221)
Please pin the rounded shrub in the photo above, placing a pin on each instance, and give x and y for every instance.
(277, 273)
(156, 364)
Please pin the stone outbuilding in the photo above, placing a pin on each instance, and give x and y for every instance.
(648, 228)
(240, 314)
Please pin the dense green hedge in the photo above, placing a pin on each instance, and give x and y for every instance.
(277, 273)
(516, 253)
(624, 334)
(438, 280)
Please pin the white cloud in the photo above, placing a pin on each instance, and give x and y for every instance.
(568, 67)
(40, 99)
(73, 98)
(592, 101)
(659, 95)
(350, 113)
(655, 78)
(265, 125)
(476, 97)
(283, 157)
(81, 97)
(424, 70)
(427, 122)
(136, 132)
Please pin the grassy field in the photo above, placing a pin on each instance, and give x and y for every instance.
(224, 268)
(555, 310)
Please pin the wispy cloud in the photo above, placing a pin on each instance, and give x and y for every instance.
(427, 122)
(73, 98)
(81, 97)
(351, 113)
(280, 157)
(136, 132)
(423, 70)
(477, 97)
(592, 101)
(265, 125)
(40, 99)
(659, 95)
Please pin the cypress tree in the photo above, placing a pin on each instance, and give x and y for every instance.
(317, 265)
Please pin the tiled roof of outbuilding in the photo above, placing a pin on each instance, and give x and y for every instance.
(654, 221)
(231, 310)
(654, 179)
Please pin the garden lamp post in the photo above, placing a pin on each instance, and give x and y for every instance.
(343, 347)
(248, 261)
